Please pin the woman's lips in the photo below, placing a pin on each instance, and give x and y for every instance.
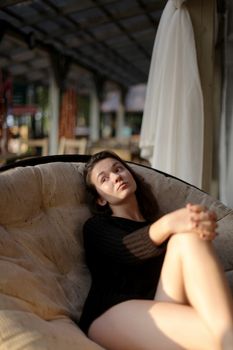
(122, 186)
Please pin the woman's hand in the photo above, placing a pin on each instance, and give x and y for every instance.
(193, 218)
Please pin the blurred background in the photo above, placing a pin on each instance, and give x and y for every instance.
(73, 76)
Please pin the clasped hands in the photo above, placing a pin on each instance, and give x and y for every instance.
(194, 218)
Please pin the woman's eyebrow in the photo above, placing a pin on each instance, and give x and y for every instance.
(115, 164)
(112, 167)
(100, 174)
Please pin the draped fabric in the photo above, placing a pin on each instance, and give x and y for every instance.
(226, 133)
(173, 119)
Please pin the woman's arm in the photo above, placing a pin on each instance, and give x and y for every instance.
(102, 238)
(192, 218)
(105, 240)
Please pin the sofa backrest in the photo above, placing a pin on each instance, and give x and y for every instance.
(173, 193)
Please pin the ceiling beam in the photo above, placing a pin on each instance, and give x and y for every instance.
(122, 28)
(148, 14)
(6, 3)
(95, 51)
(79, 59)
(153, 7)
(116, 58)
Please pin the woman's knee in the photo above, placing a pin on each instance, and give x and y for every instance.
(182, 243)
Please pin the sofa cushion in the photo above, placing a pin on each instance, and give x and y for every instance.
(25, 330)
(42, 211)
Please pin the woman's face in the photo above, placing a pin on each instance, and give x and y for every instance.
(113, 182)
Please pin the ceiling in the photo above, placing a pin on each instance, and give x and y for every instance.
(106, 39)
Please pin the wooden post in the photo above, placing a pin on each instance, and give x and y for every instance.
(54, 105)
(95, 100)
(202, 13)
(94, 115)
(59, 69)
(120, 119)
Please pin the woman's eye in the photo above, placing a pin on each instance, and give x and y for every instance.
(103, 179)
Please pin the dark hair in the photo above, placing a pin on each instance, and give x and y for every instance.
(146, 200)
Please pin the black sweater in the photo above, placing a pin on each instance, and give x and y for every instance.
(124, 264)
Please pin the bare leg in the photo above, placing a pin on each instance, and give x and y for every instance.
(192, 273)
(150, 325)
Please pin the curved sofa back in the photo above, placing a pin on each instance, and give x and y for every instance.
(42, 212)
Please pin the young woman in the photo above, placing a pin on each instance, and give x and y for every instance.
(156, 282)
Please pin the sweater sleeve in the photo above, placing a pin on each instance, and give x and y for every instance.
(103, 239)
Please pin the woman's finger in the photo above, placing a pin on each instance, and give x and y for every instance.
(202, 216)
(206, 227)
(197, 208)
(207, 236)
(212, 215)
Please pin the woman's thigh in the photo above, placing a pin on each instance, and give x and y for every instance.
(150, 325)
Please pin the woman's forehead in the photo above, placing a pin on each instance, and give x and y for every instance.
(104, 165)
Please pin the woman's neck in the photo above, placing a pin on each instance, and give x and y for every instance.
(129, 210)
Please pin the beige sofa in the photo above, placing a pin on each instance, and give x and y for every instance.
(44, 280)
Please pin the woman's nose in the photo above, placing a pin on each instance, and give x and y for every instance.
(115, 177)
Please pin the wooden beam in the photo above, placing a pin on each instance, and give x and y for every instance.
(202, 13)
(6, 3)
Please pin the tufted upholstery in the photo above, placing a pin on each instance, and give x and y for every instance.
(44, 280)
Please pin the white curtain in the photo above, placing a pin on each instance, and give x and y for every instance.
(226, 135)
(173, 119)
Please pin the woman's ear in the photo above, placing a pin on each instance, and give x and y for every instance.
(101, 201)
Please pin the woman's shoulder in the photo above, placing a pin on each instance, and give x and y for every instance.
(96, 221)
(96, 229)
(106, 222)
